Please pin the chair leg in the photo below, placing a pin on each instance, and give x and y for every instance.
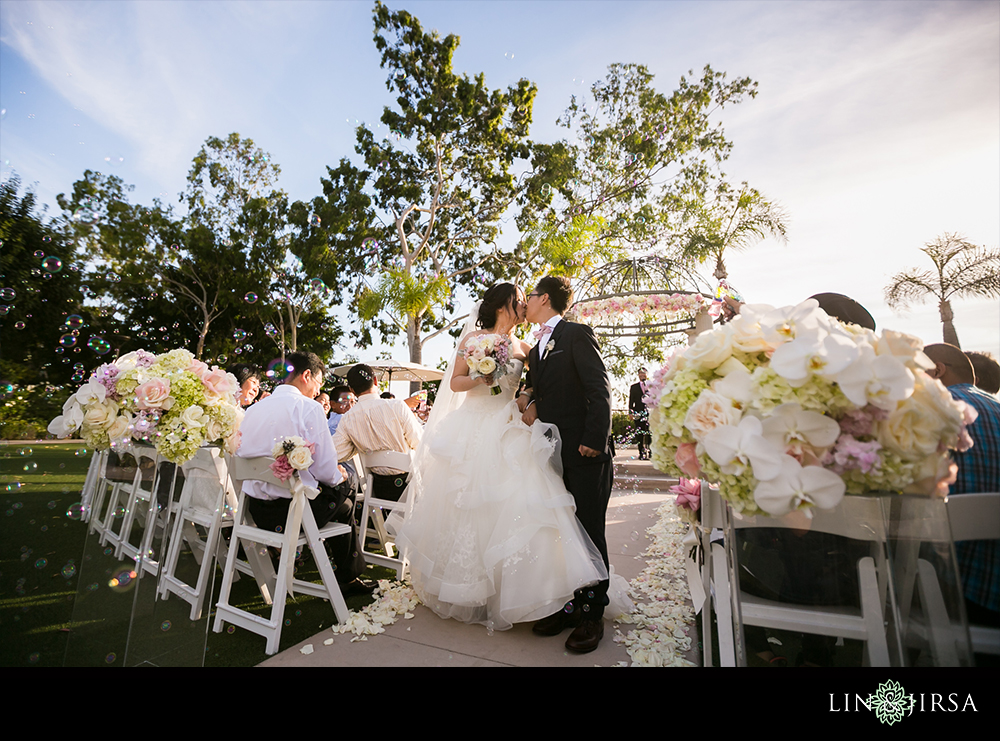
(723, 606)
(871, 611)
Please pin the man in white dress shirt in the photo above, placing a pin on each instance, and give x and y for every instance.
(377, 424)
(289, 411)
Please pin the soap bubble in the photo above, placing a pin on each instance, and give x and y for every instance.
(99, 345)
(67, 340)
(74, 321)
(314, 220)
(239, 335)
(39, 254)
(75, 510)
(19, 325)
(250, 297)
(7, 294)
(4, 309)
(52, 264)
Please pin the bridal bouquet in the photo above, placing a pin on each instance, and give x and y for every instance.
(788, 408)
(171, 400)
(291, 455)
(489, 355)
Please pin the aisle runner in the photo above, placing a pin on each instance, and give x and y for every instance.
(663, 622)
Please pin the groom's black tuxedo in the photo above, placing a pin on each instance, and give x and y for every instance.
(571, 390)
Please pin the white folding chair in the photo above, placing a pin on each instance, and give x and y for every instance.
(207, 500)
(245, 531)
(108, 502)
(857, 517)
(977, 517)
(136, 501)
(971, 517)
(95, 471)
(372, 509)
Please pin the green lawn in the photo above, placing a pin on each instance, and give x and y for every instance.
(60, 606)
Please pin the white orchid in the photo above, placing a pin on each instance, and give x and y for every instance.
(93, 391)
(735, 448)
(782, 325)
(880, 380)
(814, 351)
(790, 424)
(799, 487)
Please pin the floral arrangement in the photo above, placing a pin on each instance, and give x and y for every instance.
(661, 307)
(688, 500)
(172, 400)
(489, 355)
(291, 455)
(788, 408)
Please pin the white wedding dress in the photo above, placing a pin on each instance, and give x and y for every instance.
(490, 530)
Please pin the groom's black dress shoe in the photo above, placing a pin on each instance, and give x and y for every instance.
(556, 623)
(586, 637)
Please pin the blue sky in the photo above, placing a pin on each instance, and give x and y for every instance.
(877, 124)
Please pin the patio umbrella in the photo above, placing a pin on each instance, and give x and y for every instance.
(389, 370)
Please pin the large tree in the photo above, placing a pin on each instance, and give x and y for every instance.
(428, 202)
(961, 269)
(213, 273)
(643, 157)
(645, 193)
(45, 330)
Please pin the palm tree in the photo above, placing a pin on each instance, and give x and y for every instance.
(732, 220)
(960, 269)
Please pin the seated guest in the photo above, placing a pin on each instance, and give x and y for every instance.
(987, 371)
(341, 401)
(248, 377)
(289, 411)
(324, 401)
(978, 471)
(376, 424)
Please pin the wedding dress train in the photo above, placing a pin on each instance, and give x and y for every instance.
(490, 530)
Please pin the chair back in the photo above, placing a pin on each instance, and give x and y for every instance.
(974, 516)
(857, 517)
(386, 459)
(254, 469)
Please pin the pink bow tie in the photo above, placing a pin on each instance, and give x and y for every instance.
(542, 331)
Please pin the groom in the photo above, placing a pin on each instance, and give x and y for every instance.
(570, 389)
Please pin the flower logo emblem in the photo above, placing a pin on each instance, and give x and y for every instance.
(890, 702)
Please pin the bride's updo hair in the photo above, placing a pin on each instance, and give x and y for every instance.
(496, 298)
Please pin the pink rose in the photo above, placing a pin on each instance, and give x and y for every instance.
(199, 368)
(154, 394)
(281, 468)
(217, 383)
(687, 460)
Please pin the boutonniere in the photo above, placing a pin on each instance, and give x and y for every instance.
(549, 345)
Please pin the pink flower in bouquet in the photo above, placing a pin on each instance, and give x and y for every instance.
(199, 368)
(218, 383)
(281, 468)
(154, 394)
(688, 493)
(687, 459)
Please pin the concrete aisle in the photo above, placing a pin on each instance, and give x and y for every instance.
(427, 640)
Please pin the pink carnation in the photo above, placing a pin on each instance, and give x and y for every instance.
(688, 493)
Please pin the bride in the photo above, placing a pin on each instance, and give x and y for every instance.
(490, 530)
